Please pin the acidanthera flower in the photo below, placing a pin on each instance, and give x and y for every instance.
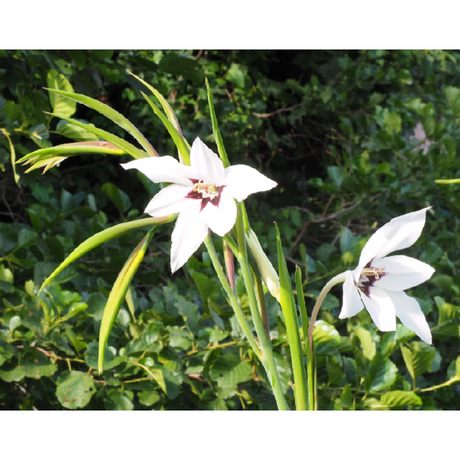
(203, 194)
(378, 281)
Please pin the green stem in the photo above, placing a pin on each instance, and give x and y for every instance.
(232, 297)
(268, 359)
(340, 278)
(311, 382)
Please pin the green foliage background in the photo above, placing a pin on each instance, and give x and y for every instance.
(335, 129)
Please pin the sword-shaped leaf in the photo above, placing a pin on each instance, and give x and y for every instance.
(115, 140)
(118, 293)
(176, 136)
(111, 114)
(166, 107)
(289, 310)
(102, 237)
(216, 131)
(51, 156)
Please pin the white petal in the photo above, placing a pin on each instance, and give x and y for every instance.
(243, 180)
(221, 219)
(170, 200)
(381, 308)
(205, 164)
(351, 302)
(409, 312)
(401, 273)
(186, 238)
(162, 169)
(401, 232)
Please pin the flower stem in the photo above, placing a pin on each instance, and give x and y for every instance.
(232, 297)
(311, 382)
(267, 359)
(340, 278)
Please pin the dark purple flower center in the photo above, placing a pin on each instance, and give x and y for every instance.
(368, 276)
(206, 192)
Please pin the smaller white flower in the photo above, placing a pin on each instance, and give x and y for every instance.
(203, 194)
(378, 282)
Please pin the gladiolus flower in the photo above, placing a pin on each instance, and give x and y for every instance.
(378, 282)
(203, 194)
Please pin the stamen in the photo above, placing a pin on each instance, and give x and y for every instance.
(367, 278)
(206, 192)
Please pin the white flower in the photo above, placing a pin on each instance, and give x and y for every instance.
(203, 194)
(378, 281)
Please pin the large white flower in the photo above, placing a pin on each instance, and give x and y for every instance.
(378, 281)
(203, 194)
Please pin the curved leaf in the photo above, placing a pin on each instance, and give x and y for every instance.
(215, 129)
(176, 136)
(115, 140)
(51, 156)
(102, 237)
(118, 293)
(58, 82)
(111, 114)
(166, 107)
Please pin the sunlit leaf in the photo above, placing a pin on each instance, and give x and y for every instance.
(60, 104)
(111, 114)
(118, 293)
(102, 237)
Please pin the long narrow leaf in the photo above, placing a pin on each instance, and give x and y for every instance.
(292, 328)
(115, 140)
(166, 107)
(305, 325)
(111, 114)
(52, 155)
(118, 293)
(12, 153)
(102, 237)
(215, 129)
(176, 137)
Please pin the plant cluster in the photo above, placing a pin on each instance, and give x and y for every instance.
(353, 139)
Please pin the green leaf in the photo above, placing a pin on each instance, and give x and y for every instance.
(381, 375)
(102, 237)
(177, 64)
(393, 339)
(13, 375)
(392, 122)
(229, 370)
(127, 147)
(75, 389)
(118, 293)
(51, 156)
(118, 400)
(62, 105)
(111, 114)
(166, 107)
(148, 398)
(37, 365)
(346, 399)
(289, 310)
(176, 136)
(399, 398)
(117, 197)
(324, 332)
(215, 129)
(417, 362)
(208, 288)
(367, 344)
(75, 132)
(12, 154)
(453, 97)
